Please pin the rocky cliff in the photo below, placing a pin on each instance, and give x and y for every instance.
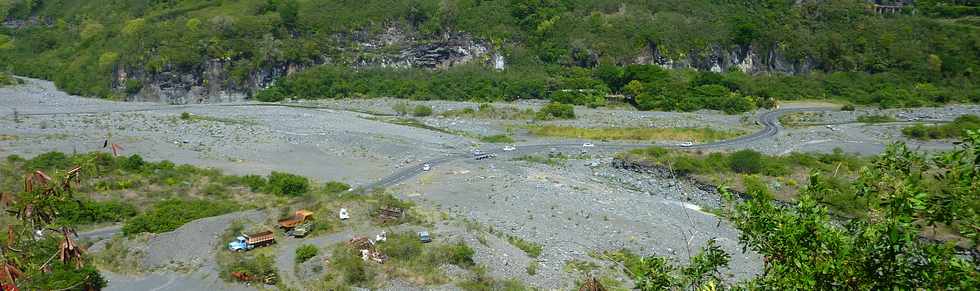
(392, 48)
(747, 59)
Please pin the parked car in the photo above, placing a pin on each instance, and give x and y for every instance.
(510, 148)
(477, 153)
(686, 144)
(426, 167)
(344, 215)
(424, 237)
(588, 145)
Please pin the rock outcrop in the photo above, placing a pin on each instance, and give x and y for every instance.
(747, 59)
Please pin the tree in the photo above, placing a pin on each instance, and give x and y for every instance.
(288, 13)
(746, 161)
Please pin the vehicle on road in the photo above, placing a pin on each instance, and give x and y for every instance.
(831, 127)
(477, 153)
(299, 217)
(247, 242)
(426, 167)
(485, 156)
(686, 144)
(344, 215)
(424, 237)
(588, 145)
(510, 148)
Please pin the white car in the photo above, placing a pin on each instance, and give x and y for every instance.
(426, 167)
(344, 215)
(588, 145)
(510, 148)
(477, 153)
(686, 144)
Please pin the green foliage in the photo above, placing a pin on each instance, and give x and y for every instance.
(86, 211)
(532, 249)
(261, 266)
(956, 129)
(133, 163)
(334, 187)
(497, 138)
(658, 273)
(350, 269)
(305, 253)
(421, 111)
(556, 110)
(286, 184)
(168, 215)
(875, 118)
(48, 161)
(254, 182)
(746, 161)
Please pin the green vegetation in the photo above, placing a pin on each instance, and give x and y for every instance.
(631, 133)
(408, 259)
(258, 265)
(287, 184)
(552, 160)
(305, 253)
(779, 176)
(497, 138)
(956, 129)
(39, 249)
(168, 215)
(87, 211)
(566, 50)
(488, 111)
(422, 111)
(555, 110)
(6, 79)
(907, 191)
(484, 282)
(532, 249)
(875, 118)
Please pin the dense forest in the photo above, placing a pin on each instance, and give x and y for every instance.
(573, 51)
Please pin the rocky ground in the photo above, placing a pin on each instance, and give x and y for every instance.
(571, 209)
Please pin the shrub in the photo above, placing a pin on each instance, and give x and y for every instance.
(422, 111)
(305, 253)
(746, 161)
(875, 118)
(847, 107)
(261, 266)
(555, 110)
(168, 215)
(458, 254)
(497, 138)
(334, 187)
(133, 163)
(532, 249)
(255, 183)
(403, 246)
(400, 108)
(185, 115)
(87, 211)
(287, 184)
(349, 266)
(48, 161)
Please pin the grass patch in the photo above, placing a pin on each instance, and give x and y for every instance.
(532, 249)
(488, 111)
(955, 129)
(305, 253)
(498, 138)
(190, 117)
(876, 119)
(553, 160)
(633, 133)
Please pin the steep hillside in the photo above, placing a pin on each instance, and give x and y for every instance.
(576, 51)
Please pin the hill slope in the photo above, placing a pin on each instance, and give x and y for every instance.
(182, 51)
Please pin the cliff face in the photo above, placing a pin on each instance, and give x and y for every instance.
(747, 59)
(211, 82)
(394, 47)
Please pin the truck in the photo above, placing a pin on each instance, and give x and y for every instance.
(299, 217)
(247, 242)
(300, 230)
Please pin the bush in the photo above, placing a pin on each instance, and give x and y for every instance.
(422, 111)
(305, 253)
(746, 161)
(498, 138)
(87, 211)
(261, 266)
(556, 110)
(847, 107)
(133, 163)
(400, 108)
(48, 161)
(951, 130)
(168, 215)
(350, 268)
(334, 187)
(185, 116)
(287, 184)
(458, 254)
(255, 183)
